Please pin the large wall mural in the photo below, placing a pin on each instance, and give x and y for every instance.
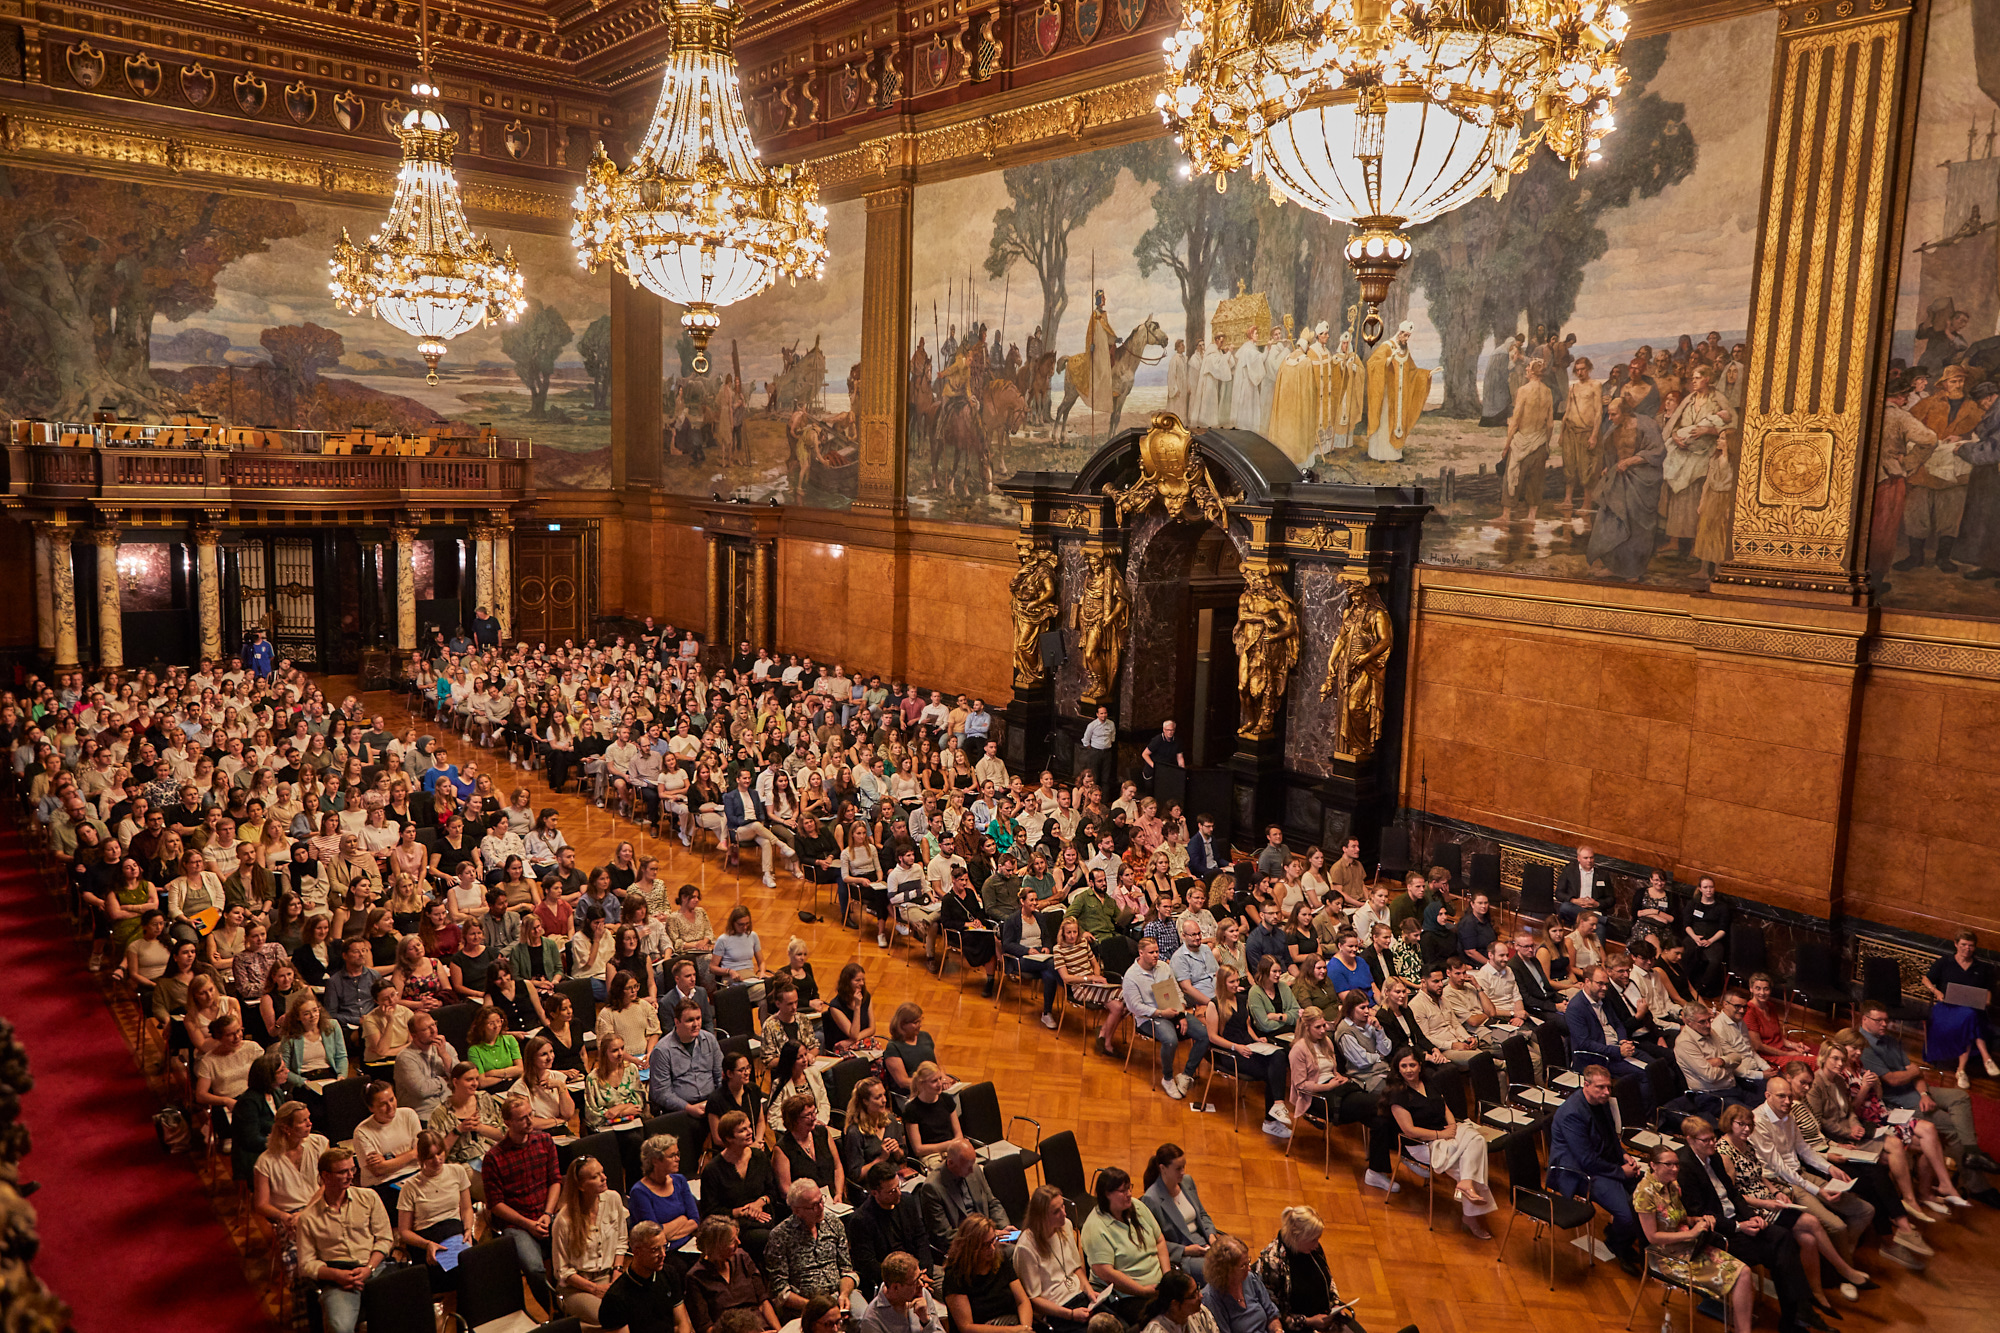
(1060, 301)
(1934, 534)
(151, 301)
(788, 434)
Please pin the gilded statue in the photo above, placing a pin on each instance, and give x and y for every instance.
(1267, 647)
(1034, 592)
(1103, 617)
(1357, 672)
(1171, 471)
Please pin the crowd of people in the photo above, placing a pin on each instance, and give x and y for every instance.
(296, 896)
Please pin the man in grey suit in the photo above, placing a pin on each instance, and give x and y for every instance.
(954, 1192)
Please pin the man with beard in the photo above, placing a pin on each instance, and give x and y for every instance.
(1621, 542)
(1936, 500)
(1692, 434)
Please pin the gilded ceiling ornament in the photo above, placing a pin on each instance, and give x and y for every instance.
(143, 75)
(86, 64)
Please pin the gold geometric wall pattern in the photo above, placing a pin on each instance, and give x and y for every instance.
(1823, 254)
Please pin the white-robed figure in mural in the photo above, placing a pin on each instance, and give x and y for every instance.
(1102, 345)
(1691, 433)
(1276, 352)
(1177, 380)
(1195, 404)
(1249, 388)
(1343, 391)
(1397, 390)
(1294, 423)
(1218, 369)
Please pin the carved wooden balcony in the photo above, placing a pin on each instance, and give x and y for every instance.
(175, 466)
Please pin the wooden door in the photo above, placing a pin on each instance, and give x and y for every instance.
(548, 588)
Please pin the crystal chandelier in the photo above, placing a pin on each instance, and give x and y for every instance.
(697, 218)
(1387, 113)
(424, 271)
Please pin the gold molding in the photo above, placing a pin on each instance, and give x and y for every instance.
(1937, 656)
(78, 143)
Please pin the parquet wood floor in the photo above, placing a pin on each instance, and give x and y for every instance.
(1441, 1280)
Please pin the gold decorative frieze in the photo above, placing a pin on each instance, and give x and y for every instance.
(1942, 658)
(76, 142)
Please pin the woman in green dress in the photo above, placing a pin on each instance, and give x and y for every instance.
(1684, 1248)
(131, 897)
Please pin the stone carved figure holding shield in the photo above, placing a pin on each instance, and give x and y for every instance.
(1357, 671)
(1267, 646)
(1103, 618)
(1034, 595)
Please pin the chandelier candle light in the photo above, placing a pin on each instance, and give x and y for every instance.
(424, 271)
(1388, 113)
(697, 218)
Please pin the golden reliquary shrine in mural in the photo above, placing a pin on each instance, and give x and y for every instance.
(1655, 503)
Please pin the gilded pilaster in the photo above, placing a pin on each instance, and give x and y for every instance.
(1825, 295)
(62, 586)
(503, 573)
(885, 349)
(405, 538)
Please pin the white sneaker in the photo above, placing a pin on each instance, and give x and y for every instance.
(1376, 1180)
(686, 841)
(881, 941)
(1173, 1088)
(770, 883)
(902, 928)
(1049, 1022)
(1277, 1130)
(1281, 1112)
(1183, 1082)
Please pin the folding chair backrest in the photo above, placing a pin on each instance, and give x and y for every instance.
(583, 1000)
(1452, 857)
(1538, 889)
(1554, 1042)
(840, 1081)
(734, 1013)
(1009, 1178)
(454, 1023)
(1524, 1164)
(1813, 966)
(1484, 1076)
(979, 1113)
(1062, 1166)
(1882, 980)
(604, 1147)
(690, 1131)
(489, 1283)
(1630, 1093)
(343, 1106)
(399, 1301)
(1520, 1064)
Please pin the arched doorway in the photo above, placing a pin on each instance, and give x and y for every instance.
(1184, 588)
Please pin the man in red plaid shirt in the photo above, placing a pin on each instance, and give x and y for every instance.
(522, 1181)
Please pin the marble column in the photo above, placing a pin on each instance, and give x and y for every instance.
(763, 597)
(405, 539)
(482, 565)
(502, 600)
(45, 594)
(62, 583)
(208, 583)
(110, 611)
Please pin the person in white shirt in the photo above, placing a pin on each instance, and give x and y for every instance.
(1729, 1030)
(1141, 996)
(1786, 1155)
(908, 897)
(1496, 978)
(936, 713)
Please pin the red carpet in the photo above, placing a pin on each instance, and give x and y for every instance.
(128, 1236)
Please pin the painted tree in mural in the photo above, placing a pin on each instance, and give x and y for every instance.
(595, 348)
(301, 351)
(533, 346)
(90, 263)
(1190, 221)
(1488, 267)
(1051, 200)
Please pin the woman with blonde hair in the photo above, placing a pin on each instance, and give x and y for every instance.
(286, 1176)
(1295, 1273)
(546, 1090)
(587, 1239)
(611, 1091)
(310, 1042)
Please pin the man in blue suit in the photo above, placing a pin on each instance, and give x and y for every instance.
(743, 809)
(1596, 1036)
(1587, 1159)
(1206, 855)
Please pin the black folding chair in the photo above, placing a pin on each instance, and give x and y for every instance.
(399, 1301)
(1557, 1213)
(840, 1082)
(604, 1146)
(583, 1001)
(979, 1117)
(734, 1012)
(1746, 950)
(1538, 890)
(343, 1106)
(454, 1022)
(1816, 977)
(1062, 1167)
(1009, 1178)
(489, 1288)
(690, 1131)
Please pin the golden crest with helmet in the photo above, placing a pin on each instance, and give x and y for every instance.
(1171, 471)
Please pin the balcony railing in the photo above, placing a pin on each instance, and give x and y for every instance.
(286, 472)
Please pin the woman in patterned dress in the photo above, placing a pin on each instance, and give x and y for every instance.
(1684, 1248)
